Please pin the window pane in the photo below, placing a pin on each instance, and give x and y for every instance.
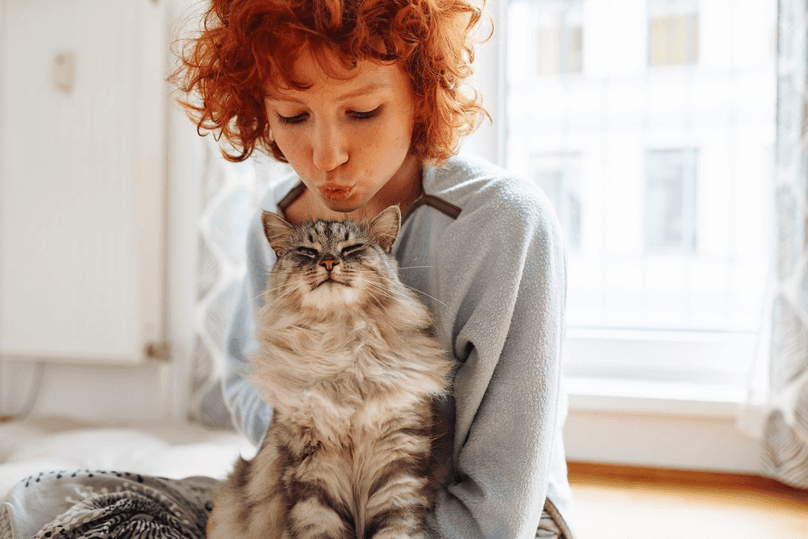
(660, 176)
(550, 49)
(673, 32)
(574, 46)
(670, 200)
(560, 38)
(559, 177)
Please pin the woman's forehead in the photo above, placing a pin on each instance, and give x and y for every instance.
(327, 73)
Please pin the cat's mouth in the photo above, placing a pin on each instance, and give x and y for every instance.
(329, 280)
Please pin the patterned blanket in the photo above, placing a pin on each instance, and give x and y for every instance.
(103, 504)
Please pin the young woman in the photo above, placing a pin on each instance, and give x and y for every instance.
(365, 100)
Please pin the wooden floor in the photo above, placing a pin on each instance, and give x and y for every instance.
(643, 503)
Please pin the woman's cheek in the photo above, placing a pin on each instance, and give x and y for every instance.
(288, 142)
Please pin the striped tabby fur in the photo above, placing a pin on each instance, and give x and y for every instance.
(350, 365)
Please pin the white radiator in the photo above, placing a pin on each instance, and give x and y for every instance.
(82, 180)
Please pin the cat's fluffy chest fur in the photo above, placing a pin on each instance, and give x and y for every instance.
(356, 371)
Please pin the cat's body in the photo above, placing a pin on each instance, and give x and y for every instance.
(350, 365)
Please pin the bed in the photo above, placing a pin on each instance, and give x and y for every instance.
(162, 448)
(151, 456)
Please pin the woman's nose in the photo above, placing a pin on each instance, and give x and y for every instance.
(328, 147)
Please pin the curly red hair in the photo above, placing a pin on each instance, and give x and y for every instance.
(249, 46)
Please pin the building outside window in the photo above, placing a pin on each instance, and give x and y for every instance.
(660, 177)
(670, 200)
(560, 38)
(559, 177)
(673, 32)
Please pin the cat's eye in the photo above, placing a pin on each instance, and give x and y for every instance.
(308, 252)
(351, 250)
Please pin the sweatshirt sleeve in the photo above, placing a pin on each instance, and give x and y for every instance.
(502, 275)
(250, 414)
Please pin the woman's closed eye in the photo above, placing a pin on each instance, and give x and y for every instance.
(291, 120)
(353, 114)
(365, 115)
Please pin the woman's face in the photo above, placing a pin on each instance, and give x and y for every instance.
(348, 138)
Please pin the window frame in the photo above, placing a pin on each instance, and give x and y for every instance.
(701, 386)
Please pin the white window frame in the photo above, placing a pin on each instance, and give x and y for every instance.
(686, 381)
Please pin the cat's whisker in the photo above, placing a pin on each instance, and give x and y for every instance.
(275, 288)
(425, 294)
(423, 310)
(415, 290)
(379, 303)
(289, 292)
(272, 290)
(381, 291)
(413, 267)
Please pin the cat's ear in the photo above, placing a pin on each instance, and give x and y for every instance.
(277, 232)
(384, 227)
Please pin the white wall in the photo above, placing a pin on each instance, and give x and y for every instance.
(152, 391)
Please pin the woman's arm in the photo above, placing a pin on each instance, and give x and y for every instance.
(251, 415)
(502, 276)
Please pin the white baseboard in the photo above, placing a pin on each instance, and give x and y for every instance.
(691, 428)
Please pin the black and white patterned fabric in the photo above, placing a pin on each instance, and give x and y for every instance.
(94, 504)
(785, 432)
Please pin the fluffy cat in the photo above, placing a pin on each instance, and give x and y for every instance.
(348, 360)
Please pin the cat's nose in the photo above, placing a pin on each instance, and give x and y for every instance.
(328, 262)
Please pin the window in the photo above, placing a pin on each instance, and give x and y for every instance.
(559, 177)
(660, 177)
(560, 39)
(670, 200)
(673, 32)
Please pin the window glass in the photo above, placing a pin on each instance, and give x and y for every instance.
(670, 200)
(559, 36)
(650, 126)
(673, 32)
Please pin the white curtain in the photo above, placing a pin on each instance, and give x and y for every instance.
(231, 194)
(785, 427)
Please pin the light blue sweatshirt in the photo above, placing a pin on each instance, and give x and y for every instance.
(484, 249)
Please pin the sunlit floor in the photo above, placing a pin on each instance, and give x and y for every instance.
(627, 503)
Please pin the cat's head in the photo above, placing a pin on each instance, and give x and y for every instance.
(329, 265)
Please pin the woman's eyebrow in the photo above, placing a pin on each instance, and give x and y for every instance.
(364, 90)
(279, 97)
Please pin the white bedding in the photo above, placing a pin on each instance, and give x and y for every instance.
(166, 449)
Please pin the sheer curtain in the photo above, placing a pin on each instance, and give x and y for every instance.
(230, 196)
(785, 427)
